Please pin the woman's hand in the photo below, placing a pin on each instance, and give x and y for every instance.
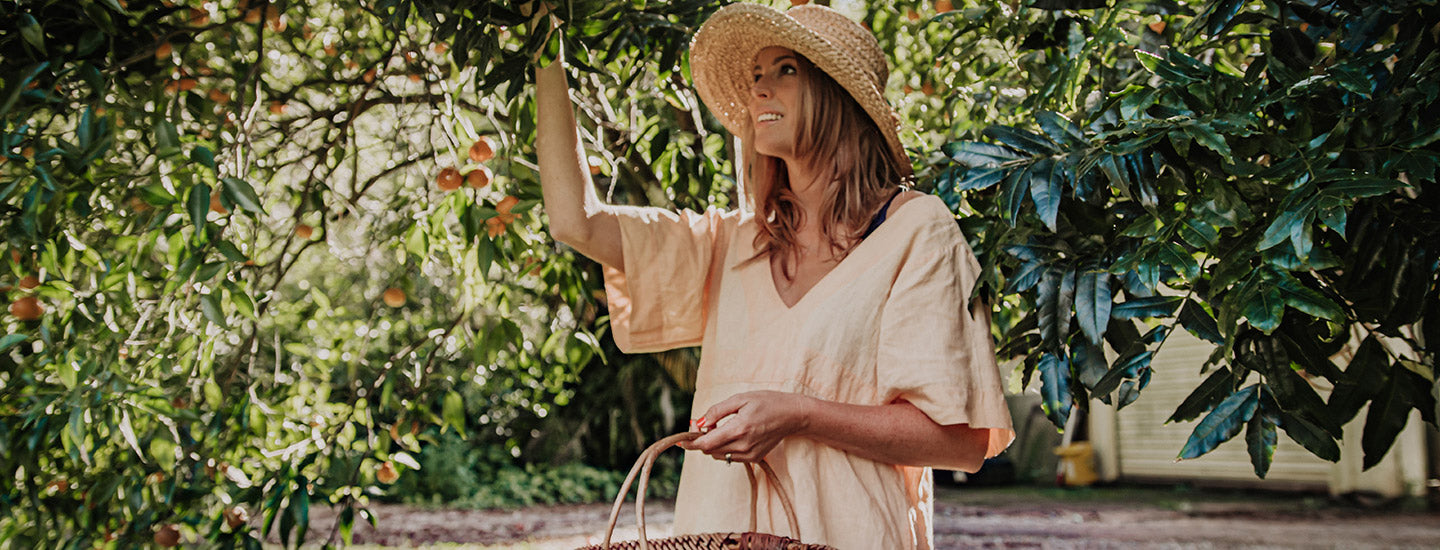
(747, 426)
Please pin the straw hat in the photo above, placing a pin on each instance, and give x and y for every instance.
(723, 53)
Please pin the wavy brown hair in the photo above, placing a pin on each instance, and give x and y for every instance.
(837, 137)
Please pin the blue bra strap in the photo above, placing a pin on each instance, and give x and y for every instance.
(879, 216)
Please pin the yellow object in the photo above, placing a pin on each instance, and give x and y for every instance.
(1077, 464)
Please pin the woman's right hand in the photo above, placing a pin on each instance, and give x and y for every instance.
(577, 216)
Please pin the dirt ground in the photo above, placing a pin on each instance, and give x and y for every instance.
(1003, 517)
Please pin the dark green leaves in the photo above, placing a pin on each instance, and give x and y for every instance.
(1152, 306)
(1093, 302)
(240, 193)
(1055, 387)
(1223, 423)
(1388, 415)
(1056, 298)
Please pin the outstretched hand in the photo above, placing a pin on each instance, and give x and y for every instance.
(747, 426)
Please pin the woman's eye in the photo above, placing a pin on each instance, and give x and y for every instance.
(755, 78)
(788, 69)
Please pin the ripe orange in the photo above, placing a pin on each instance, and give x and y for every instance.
(482, 150)
(394, 297)
(277, 107)
(304, 231)
(1158, 27)
(449, 179)
(912, 15)
(27, 308)
(216, 206)
(219, 96)
(198, 16)
(168, 536)
(28, 152)
(272, 18)
(495, 227)
(369, 76)
(479, 177)
(504, 206)
(330, 50)
(927, 88)
(387, 474)
(187, 84)
(164, 50)
(440, 47)
(236, 516)
(252, 16)
(942, 6)
(415, 77)
(28, 282)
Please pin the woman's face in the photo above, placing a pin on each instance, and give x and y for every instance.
(775, 90)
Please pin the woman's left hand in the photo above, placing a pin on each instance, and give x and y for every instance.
(754, 423)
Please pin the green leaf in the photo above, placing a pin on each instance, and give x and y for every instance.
(300, 508)
(1355, 187)
(198, 204)
(1287, 223)
(1212, 391)
(167, 139)
(240, 192)
(1012, 194)
(1388, 414)
(1093, 301)
(204, 156)
(1204, 134)
(1198, 233)
(210, 306)
(1223, 423)
(1089, 362)
(1147, 307)
(1046, 180)
(1056, 299)
(1260, 438)
(980, 178)
(1199, 322)
(1127, 366)
(31, 31)
(1310, 436)
(1176, 257)
(1060, 129)
(1263, 307)
(454, 411)
(977, 154)
(1055, 387)
(1021, 140)
(1308, 300)
(10, 340)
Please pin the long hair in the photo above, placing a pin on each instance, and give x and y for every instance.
(842, 144)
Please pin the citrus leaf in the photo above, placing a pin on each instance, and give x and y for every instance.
(453, 411)
(10, 340)
(1260, 439)
(242, 194)
(1056, 301)
(1055, 387)
(1388, 414)
(1093, 301)
(1223, 423)
(976, 154)
(1213, 390)
(198, 203)
(1146, 307)
(1046, 179)
(1060, 129)
(1021, 140)
(1310, 436)
(210, 306)
(1199, 322)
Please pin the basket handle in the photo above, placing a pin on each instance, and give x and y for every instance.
(647, 461)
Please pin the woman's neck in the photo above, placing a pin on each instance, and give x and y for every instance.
(809, 186)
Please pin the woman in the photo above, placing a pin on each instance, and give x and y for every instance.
(838, 338)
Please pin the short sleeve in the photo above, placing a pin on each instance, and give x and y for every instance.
(935, 348)
(658, 301)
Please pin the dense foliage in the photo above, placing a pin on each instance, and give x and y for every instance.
(257, 261)
(1261, 174)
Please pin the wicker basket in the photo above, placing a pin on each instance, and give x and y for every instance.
(750, 540)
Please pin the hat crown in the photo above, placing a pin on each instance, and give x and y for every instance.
(847, 35)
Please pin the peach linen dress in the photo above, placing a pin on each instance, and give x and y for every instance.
(891, 321)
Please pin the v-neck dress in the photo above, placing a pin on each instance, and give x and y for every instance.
(892, 321)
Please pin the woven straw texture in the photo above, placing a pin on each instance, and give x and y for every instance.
(722, 56)
(717, 541)
(751, 540)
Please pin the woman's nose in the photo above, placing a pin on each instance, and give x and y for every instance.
(761, 89)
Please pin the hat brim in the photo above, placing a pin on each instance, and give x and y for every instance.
(722, 58)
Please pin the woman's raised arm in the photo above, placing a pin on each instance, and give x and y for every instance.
(577, 215)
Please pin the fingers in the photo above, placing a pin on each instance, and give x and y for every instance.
(720, 410)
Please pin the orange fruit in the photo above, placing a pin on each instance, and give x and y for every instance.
(927, 88)
(277, 107)
(387, 474)
(330, 50)
(504, 206)
(479, 177)
(15, 255)
(482, 150)
(351, 64)
(1158, 27)
(415, 77)
(219, 96)
(199, 16)
(252, 16)
(187, 84)
(912, 15)
(164, 50)
(942, 6)
(449, 179)
(28, 282)
(440, 47)
(495, 227)
(168, 536)
(27, 308)
(216, 206)
(595, 165)
(28, 152)
(369, 76)
(304, 231)
(236, 516)
(394, 297)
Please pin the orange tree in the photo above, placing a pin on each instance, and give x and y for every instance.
(259, 251)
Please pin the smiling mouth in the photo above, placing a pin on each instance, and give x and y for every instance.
(769, 117)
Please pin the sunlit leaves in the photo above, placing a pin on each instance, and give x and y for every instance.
(1223, 422)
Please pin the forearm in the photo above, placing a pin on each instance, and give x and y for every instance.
(896, 433)
(575, 212)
